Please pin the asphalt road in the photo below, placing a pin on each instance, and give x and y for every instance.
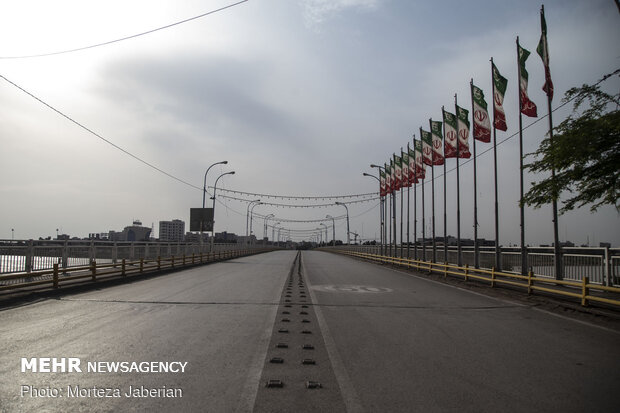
(383, 341)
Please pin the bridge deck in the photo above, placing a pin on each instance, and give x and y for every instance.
(384, 341)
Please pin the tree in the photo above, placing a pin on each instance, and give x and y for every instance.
(585, 154)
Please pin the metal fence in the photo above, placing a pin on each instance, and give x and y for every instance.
(600, 265)
(31, 255)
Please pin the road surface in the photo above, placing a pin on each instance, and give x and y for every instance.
(369, 338)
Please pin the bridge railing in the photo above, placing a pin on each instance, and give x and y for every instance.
(600, 265)
(95, 270)
(30, 255)
(578, 285)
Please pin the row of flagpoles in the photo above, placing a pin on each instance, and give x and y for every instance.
(448, 138)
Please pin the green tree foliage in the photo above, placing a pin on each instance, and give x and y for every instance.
(585, 154)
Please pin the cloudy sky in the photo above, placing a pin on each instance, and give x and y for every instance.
(299, 96)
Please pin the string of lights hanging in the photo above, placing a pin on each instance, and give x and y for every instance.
(278, 205)
(294, 197)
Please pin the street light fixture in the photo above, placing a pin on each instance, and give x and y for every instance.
(383, 213)
(345, 207)
(265, 225)
(252, 215)
(381, 206)
(204, 187)
(333, 229)
(273, 231)
(247, 214)
(213, 197)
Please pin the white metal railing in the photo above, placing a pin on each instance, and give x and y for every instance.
(600, 265)
(32, 255)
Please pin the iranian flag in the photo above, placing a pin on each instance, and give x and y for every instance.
(388, 178)
(427, 147)
(543, 52)
(437, 142)
(413, 174)
(405, 168)
(499, 89)
(463, 131)
(398, 172)
(528, 107)
(382, 190)
(482, 125)
(450, 134)
(420, 171)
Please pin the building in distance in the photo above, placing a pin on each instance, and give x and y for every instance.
(172, 230)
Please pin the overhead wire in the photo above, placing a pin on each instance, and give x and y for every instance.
(133, 36)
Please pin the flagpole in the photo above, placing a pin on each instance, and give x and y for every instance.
(498, 253)
(423, 216)
(402, 180)
(445, 203)
(390, 219)
(408, 201)
(415, 206)
(394, 210)
(476, 246)
(459, 257)
(521, 206)
(433, 194)
(548, 88)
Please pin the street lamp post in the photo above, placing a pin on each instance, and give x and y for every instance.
(265, 225)
(273, 231)
(213, 197)
(333, 229)
(345, 207)
(382, 213)
(325, 232)
(380, 208)
(204, 187)
(252, 215)
(247, 214)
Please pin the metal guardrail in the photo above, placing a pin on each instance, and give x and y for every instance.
(582, 290)
(601, 265)
(31, 255)
(94, 271)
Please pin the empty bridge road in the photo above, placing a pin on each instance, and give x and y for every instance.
(327, 333)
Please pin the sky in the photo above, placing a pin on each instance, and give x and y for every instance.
(300, 97)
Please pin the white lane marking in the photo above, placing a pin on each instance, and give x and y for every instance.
(351, 288)
(349, 395)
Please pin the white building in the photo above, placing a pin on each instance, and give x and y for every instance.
(172, 230)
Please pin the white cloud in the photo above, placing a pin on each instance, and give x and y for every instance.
(318, 11)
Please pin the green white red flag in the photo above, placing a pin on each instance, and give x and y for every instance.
(543, 52)
(413, 175)
(437, 142)
(427, 147)
(528, 107)
(388, 178)
(462, 116)
(398, 172)
(393, 175)
(482, 125)
(420, 169)
(405, 168)
(382, 190)
(499, 90)
(450, 134)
